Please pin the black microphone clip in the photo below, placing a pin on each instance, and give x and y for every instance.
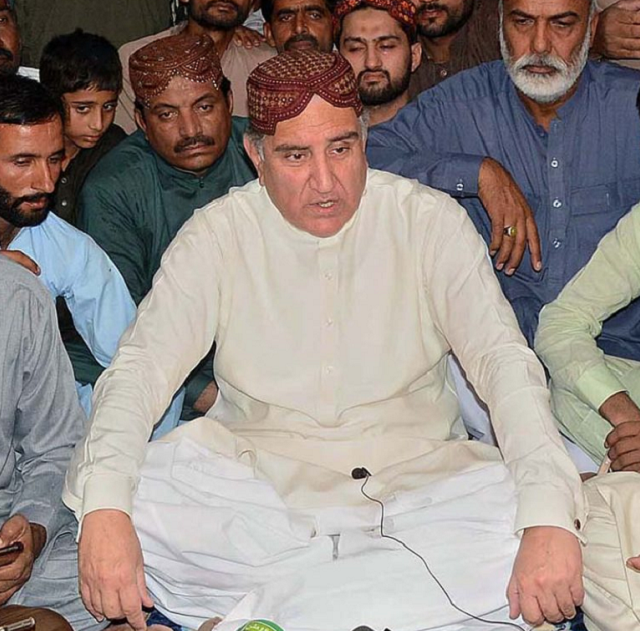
(360, 473)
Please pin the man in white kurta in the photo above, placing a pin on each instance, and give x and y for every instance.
(335, 295)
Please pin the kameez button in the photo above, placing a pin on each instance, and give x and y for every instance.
(577, 524)
(443, 72)
(65, 202)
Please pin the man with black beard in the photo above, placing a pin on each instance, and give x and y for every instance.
(378, 39)
(71, 265)
(454, 35)
(218, 19)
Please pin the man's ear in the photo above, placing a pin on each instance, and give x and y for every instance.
(139, 118)
(258, 163)
(268, 35)
(416, 55)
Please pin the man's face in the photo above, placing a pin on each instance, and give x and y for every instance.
(439, 18)
(30, 162)
(314, 167)
(88, 115)
(300, 25)
(9, 40)
(188, 124)
(380, 54)
(218, 14)
(545, 45)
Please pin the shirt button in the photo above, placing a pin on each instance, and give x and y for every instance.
(460, 187)
(443, 72)
(328, 275)
(329, 322)
(577, 524)
(554, 163)
(557, 243)
(64, 180)
(328, 370)
(557, 203)
(65, 202)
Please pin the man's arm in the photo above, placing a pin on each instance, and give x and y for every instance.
(569, 326)
(481, 328)
(411, 144)
(48, 423)
(174, 328)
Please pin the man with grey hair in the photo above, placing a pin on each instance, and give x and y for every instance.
(564, 129)
(335, 294)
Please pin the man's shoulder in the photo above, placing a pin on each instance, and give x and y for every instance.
(126, 50)
(486, 81)
(16, 281)
(612, 79)
(55, 235)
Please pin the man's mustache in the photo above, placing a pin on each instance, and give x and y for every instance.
(363, 73)
(431, 6)
(194, 141)
(302, 37)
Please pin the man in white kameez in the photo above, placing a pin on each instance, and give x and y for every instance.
(335, 294)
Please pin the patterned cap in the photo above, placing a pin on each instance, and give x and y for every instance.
(281, 87)
(153, 66)
(403, 11)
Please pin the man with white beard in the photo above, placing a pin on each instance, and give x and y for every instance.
(548, 123)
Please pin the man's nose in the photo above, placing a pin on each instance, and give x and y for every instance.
(189, 124)
(45, 177)
(322, 175)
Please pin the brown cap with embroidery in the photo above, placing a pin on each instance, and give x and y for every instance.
(403, 11)
(152, 67)
(281, 87)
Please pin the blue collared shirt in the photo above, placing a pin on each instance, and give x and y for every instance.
(580, 177)
(73, 266)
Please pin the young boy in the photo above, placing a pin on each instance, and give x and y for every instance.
(84, 72)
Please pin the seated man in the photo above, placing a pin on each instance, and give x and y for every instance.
(188, 152)
(71, 265)
(82, 70)
(218, 21)
(40, 423)
(378, 39)
(567, 132)
(595, 396)
(335, 294)
(298, 24)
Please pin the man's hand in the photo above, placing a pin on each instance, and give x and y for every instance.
(507, 207)
(546, 583)
(618, 31)
(22, 259)
(247, 37)
(15, 569)
(623, 445)
(111, 571)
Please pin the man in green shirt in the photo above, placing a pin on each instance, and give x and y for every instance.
(188, 152)
(596, 397)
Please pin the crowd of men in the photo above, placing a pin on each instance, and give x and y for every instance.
(262, 291)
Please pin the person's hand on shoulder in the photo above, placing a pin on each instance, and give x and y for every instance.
(513, 227)
(111, 571)
(22, 259)
(247, 37)
(546, 582)
(16, 567)
(618, 31)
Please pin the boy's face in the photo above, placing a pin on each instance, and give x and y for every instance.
(88, 115)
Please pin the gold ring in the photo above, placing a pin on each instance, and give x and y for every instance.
(510, 231)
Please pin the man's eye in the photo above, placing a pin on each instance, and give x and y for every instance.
(285, 18)
(341, 151)
(316, 15)
(109, 107)
(295, 156)
(82, 109)
(165, 115)
(55, 159)
(206, 107)
(22, 163)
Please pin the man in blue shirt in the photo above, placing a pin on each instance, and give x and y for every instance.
(565, 129)
(71, 264)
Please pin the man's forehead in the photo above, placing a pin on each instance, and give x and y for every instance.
(182, 92)
(547, 8)
(299, 5)
(42, 139)
(370, 23)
